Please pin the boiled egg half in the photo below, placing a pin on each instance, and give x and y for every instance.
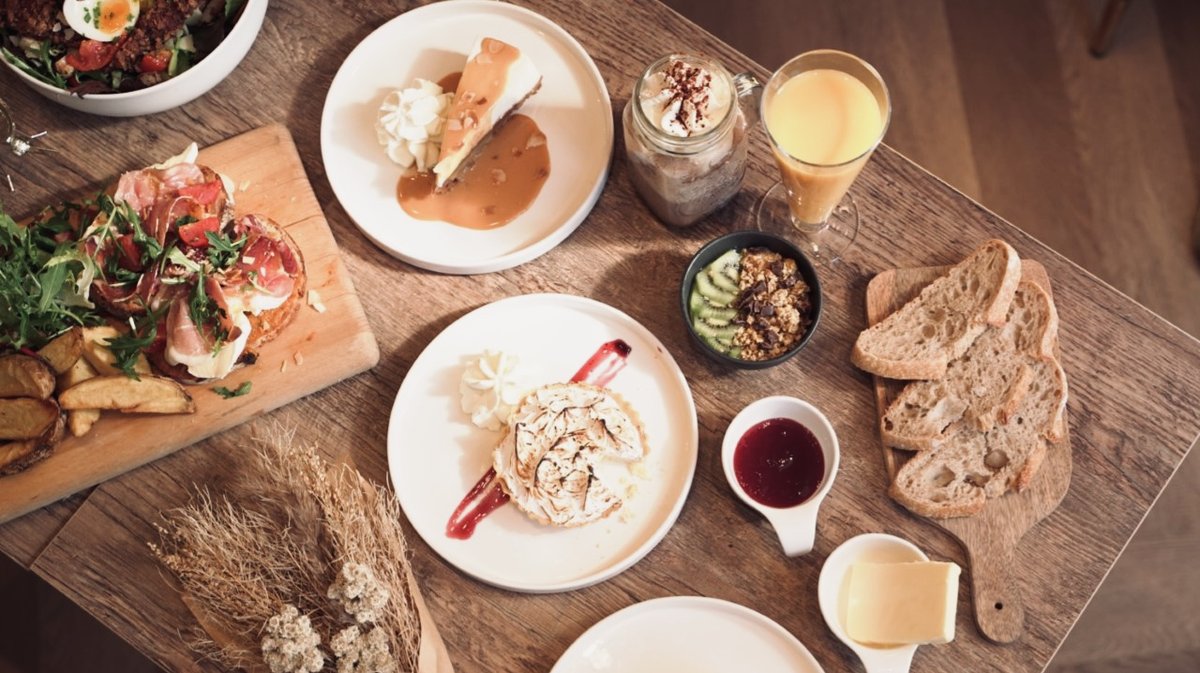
(101, 20)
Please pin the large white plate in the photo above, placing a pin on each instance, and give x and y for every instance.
(572, 108)
(686, 633)
(435, 453)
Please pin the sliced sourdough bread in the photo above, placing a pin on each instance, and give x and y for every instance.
(985, 385)
(920, 339)
(971, 466)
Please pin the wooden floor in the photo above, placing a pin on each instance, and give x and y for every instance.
(1099, 158)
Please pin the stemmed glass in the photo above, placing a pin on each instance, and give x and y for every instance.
(824, 112)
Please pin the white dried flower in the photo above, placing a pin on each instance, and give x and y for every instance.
(357, 652)
(359, 593)
(291, 645)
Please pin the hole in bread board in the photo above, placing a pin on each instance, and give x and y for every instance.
(999, 606)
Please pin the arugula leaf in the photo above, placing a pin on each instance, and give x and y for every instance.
(43, 285)
(205, 313)
(227, 393)
(222, 251)
(127, 347)
(176, 256)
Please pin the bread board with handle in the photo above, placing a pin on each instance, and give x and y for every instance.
(990, 537)
(315, 351)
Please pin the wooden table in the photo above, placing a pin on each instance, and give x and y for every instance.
(1135, 389)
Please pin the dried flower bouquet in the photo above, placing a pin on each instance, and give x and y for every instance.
(302, 568)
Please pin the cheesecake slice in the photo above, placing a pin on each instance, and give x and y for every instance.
(497, 79)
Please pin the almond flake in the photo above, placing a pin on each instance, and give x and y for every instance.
(298, 358)
(314, 300)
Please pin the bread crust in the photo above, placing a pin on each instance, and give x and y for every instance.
(982, 453)
(932, 365)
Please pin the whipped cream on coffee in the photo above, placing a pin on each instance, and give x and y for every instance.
(684, 99)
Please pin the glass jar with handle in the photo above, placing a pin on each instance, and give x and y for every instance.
(686, 136)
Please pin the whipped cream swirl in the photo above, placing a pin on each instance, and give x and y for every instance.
(685, 100)
(491, 387)
(411, 123)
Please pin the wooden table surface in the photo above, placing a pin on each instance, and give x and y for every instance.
(1134, 407)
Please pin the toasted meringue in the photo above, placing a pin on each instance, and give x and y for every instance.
(555, 439)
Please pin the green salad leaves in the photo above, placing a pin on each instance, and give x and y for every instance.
(44, 281)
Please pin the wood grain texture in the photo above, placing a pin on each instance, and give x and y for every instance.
(990, 537)
(304, 358)
(1127, 441)
(1132, 153)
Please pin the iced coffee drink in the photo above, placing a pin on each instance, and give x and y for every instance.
(685, 137)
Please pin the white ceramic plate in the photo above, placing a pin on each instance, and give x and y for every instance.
(686, 633)
(572, 108)
(435, 453)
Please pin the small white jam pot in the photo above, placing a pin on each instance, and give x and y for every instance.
(796, 526)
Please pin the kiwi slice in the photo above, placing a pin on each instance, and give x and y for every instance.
(713, 293)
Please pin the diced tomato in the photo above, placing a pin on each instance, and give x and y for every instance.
(156, 61)
(92, 55)
(204, 194)
(131, 257)
(193, 234)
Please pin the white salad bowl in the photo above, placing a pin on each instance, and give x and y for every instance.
(184, 88)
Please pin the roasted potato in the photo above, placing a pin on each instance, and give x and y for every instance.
(79, 372)
(95, 349)
(63, 350)
(147, 395)
(80, 421)
(26, 417)
(18, 455)
(25, 376)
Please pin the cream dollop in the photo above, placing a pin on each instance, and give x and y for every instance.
(685, 100)
(491, 388)
(411, 122)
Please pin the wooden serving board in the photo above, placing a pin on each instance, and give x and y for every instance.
(990, 537)
(314, 352)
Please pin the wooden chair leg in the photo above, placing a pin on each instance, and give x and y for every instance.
(1109, 20)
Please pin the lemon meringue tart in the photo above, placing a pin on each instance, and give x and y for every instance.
(556, 437)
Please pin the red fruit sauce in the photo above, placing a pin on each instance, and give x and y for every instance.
(779, 463)
(599, 370)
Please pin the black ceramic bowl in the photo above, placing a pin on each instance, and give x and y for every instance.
(740, 240)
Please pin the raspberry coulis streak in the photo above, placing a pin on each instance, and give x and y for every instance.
(599, 370)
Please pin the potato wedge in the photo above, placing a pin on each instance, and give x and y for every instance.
(25, 376)
(18, 455)
(26, 417)
(63, 350)
(148, 395)
(79, 372)
(95, 349)
(80, 421)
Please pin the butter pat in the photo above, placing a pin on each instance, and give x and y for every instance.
(902, 603)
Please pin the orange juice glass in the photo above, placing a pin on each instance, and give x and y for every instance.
(824, 112)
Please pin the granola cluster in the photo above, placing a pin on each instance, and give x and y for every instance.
(773, 305)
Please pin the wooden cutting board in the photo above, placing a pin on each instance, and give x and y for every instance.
(314, 352)
(990, 537)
